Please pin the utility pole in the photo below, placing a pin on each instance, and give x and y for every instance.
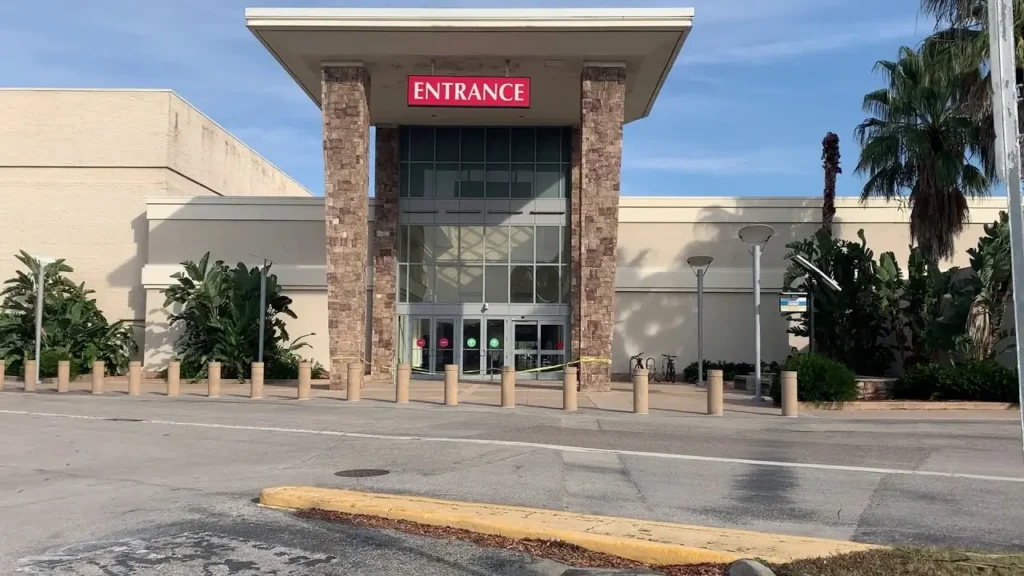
(1005, 98)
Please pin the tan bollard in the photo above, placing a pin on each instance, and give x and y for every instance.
(569, 388)
(63, 376)
(715, 392)
(790, 403)
(451, 385)
(30, 375)
(305, 380)
(98, 367)
(3, 368)
(256, 381)
(134, 378)
(355, 381)
(213, 381)
(174, 378)
(402, 384)
(640, 391)
(508, 386)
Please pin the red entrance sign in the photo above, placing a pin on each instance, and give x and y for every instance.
(443, 342)
(469, 91)
(420, 342)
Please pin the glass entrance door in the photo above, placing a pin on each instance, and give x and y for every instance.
(482, 347)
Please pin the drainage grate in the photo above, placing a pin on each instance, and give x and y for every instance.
(361, 473)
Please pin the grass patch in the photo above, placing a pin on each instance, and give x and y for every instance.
(906, 562)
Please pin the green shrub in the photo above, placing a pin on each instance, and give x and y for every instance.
(819, 379)
(729, 369)
(48, 364)
(981, 381)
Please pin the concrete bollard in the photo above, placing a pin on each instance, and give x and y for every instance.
(451, 385)
(305, 380)
(173, 378)
(640, 391)
(508, 386)
(256, 381)
(790, 404)
(63, 376)
(715, 392)
(569, 388)
(402, 384)
(3, 368)
(134, 378)
(355, 382)
(98, 367)
(213, 381)
(30, 375)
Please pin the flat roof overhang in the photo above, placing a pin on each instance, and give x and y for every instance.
(550, 46)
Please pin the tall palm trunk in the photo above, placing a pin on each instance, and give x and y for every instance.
(830, 163)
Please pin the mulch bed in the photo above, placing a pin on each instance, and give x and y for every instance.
(563, 552)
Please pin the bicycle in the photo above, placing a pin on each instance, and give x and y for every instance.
(652, 370)
(669, 368)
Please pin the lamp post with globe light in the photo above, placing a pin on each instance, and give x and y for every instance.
(44, 263)
(700, 265)
(757, 236)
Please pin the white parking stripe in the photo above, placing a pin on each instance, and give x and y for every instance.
(539, 446)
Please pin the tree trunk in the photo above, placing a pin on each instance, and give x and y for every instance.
(830, 163)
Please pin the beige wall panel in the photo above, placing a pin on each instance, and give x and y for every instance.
(284, 242)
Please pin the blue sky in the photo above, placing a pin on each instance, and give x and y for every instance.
(743, 113)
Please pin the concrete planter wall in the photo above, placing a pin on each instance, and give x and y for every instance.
(872, 388)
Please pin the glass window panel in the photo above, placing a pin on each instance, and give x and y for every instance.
(521, 240)
(420, 354)
(446, 243)
(548, 244)
(471, 182)
(447, 180)
(421, 243)
(522, 180)
(472, 342)
(496, 285)
(403, 144)
(472, 145)
(521, 284)
(421, 180)
(447, 144)
(547, 284)
(471, 284)
(422, 144)
(497, 145)
(421, 283)
(495, 336)
(551, 362)
(566, 145)
(497, 243)
(548, 144)
(548, 176)
(564, 183)
(403, 243)
(447, 289)
(471, 239)
(523, 142)
(566, 245)
(566, 283)
(403, 189)
(444, 331)
(403, 283)
(552, 336)
(497, 180)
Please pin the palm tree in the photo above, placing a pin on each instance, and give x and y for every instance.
(830, 163)
(918, 140)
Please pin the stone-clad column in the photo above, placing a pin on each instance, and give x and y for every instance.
(595, 218)
(385, 242)
(346, 116)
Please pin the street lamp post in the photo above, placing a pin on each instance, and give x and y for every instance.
(757, 236)
(700, 265)
(44, 263)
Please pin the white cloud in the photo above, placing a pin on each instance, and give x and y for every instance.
(767, 161)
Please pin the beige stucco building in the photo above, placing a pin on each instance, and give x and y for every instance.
(494, 235)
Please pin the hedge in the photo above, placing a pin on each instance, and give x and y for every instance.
(980, 381)
(729, 369)
(819, 379)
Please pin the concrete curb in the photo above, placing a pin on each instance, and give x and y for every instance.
(907, 405)
(657, 543)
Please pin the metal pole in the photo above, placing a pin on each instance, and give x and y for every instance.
(263, 307)
(1004, 105)
(40, 280)
(757, 323)
(700, 327)
(810, 308)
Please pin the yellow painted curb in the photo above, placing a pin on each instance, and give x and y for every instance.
(657, 543)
